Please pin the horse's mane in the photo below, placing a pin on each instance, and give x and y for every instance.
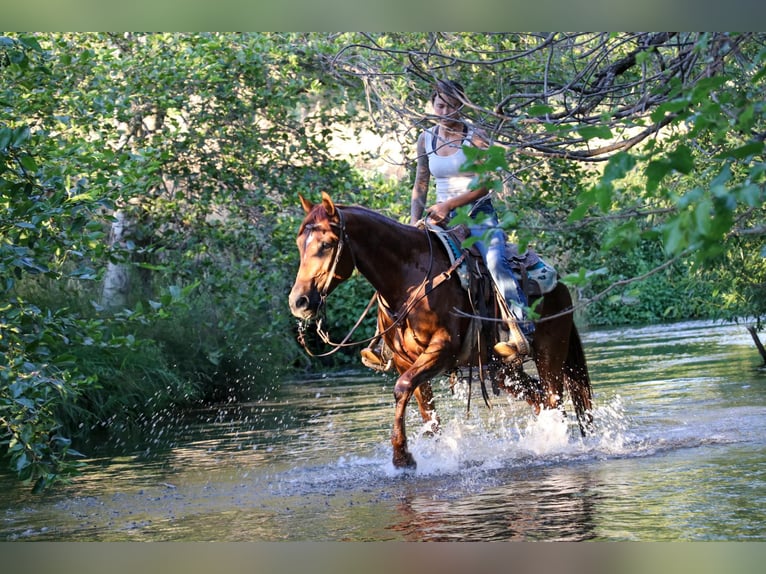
(318, 213)
(372, 214)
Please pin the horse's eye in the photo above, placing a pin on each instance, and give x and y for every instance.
(325, 246)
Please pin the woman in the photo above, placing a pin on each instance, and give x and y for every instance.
(440, 154)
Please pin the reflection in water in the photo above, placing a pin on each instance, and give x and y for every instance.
(539, 504)
(678, 454)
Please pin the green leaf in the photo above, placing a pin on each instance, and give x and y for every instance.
(21, 462)
(690, 197)
(539, 110)
(674, 237)
(578, 212)
(20, 136)
(189, 289)
(469, 241)
(644, 57)
(655, 171)
(575, 279)
(595, 132)
(604, 196)
(751, 195)
(702, 89)
(31, 43)
(618, 166)
(625, 236)
(484, 160)
(25, 225)
(5, 138)
(719, 181)
(672, 107)
(702, 215)
(585, 200)
(28, 163)
(742, 152)
(681, 159)
(583, 276)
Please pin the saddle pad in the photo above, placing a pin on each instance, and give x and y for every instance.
(452, 244)
(541, 277)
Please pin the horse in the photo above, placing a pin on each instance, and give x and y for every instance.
(425, 315)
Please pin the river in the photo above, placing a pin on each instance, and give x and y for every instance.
(678, 453)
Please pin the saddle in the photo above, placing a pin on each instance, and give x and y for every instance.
(534, 274)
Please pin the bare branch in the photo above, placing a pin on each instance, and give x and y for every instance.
(609, 80)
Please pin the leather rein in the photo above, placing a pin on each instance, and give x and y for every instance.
(398, 317)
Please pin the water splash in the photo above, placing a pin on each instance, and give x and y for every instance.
(511, 435)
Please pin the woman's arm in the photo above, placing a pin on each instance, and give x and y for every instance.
(422, 178)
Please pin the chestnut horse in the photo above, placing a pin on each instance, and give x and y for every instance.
(419, 316)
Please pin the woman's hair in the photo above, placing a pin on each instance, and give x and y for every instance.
(450, 88)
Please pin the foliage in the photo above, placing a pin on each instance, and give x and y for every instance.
(703, 187)
(42, 227)
(199, 139)
(629, 159)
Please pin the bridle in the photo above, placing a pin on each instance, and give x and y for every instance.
(398, 317)
(331, 272)
(324, 292)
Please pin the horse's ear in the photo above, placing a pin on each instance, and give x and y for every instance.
(328, 204)
(307, 205)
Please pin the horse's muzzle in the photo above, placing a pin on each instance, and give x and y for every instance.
(304, 304)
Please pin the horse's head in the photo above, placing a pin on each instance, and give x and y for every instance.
(325, 257)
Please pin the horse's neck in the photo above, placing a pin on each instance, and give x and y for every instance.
(386, 253)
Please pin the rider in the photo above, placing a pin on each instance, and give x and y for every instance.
(440, 153)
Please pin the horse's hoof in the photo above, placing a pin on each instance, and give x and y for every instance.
(586, 426)
(405, 461)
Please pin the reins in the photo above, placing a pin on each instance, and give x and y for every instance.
(438, 280)
(325, 337)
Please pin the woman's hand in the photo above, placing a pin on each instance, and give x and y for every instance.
(439, 213)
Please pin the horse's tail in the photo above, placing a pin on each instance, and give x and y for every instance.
(577, 380)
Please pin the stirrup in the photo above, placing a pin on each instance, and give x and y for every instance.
(372, 360)
(507, 349)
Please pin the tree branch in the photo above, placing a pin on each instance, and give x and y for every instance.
(608, 80)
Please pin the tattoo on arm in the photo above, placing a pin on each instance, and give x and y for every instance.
(420, 188)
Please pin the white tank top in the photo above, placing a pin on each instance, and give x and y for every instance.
(450, 181)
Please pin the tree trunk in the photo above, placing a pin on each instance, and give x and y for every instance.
(758, 344)
(114, 293)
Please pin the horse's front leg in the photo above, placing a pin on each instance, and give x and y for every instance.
(403, 391)
(427, 365)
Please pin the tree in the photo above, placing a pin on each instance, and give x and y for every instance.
(663, 131)
(44, 231)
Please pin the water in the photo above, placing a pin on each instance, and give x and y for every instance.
(679, 453)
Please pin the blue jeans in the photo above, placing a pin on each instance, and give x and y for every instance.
(499, 266)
